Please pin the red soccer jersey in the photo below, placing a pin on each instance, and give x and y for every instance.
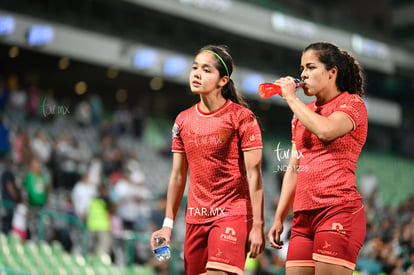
(214, 144)
(326, 172)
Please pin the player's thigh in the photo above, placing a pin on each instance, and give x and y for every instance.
(300, 270)
(300, 252)
(195, 249)
(322, 268)
(340, 235)
(227, 244)
(300, 248)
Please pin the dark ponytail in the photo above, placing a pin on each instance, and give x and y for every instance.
(229, 90)
(350, 76)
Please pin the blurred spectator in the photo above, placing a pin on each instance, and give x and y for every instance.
(4, 139)
(410, 269)
(37, 188)
(67, 156)
(132, 164)
(165, 148)
(57, 178)
(97, 109)
(65, 228)
(133, 201)
(95, 170)
(19, 222)
(4, 95)
(138, 121)
(143, 201)
(369, 266)
(111, 155)
(126, 198)
(17, 101)
(10, 194)
(83, 113)
(22, 149)
(157, 213)
(368, 185)
(34, 102)
(99, 222)
(121, 121)
(389, 250)
(82, 154)
(82, 193)
(42, 148)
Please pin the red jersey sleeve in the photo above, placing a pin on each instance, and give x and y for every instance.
(177, 141)
(249, 132)
(354, 107)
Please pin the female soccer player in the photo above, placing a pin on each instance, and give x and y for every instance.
(328, 134)
(219, 141)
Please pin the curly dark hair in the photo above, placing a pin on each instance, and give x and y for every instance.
(351, 77)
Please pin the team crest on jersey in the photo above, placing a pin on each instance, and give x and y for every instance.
(223, 134)
(175, 131)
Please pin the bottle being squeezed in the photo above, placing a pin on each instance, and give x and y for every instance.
(270, 89)
(162, 251)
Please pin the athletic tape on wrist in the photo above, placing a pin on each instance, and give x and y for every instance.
(168, 223)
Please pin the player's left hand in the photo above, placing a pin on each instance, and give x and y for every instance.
(256, 241)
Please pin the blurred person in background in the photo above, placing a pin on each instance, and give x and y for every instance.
(19, 221)
(23, 153)
(410, 269)
(111, 155)
(17, 100)
(132, 164)
(82, 193)
(121, 121)
(95, 169)
(126, 197)
(98, 222)
(328, 134)
(218, 140)
(4, 95)
(97, 108)
(83, 113)
(143, 198)
(42, 148)
(33, 108)
(10, 195)
(80, 197)
(37, 189)
(368, 185)
(157, 213)
(68, 157)
(4, 139)
(138, 122)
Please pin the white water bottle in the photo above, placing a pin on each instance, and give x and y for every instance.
(162, 251)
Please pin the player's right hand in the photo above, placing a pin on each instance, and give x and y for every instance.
(164, 232)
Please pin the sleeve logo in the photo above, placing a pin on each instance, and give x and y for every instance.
(175, 131)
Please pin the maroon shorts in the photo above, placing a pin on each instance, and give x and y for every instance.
(332, 235)
(221, 245)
